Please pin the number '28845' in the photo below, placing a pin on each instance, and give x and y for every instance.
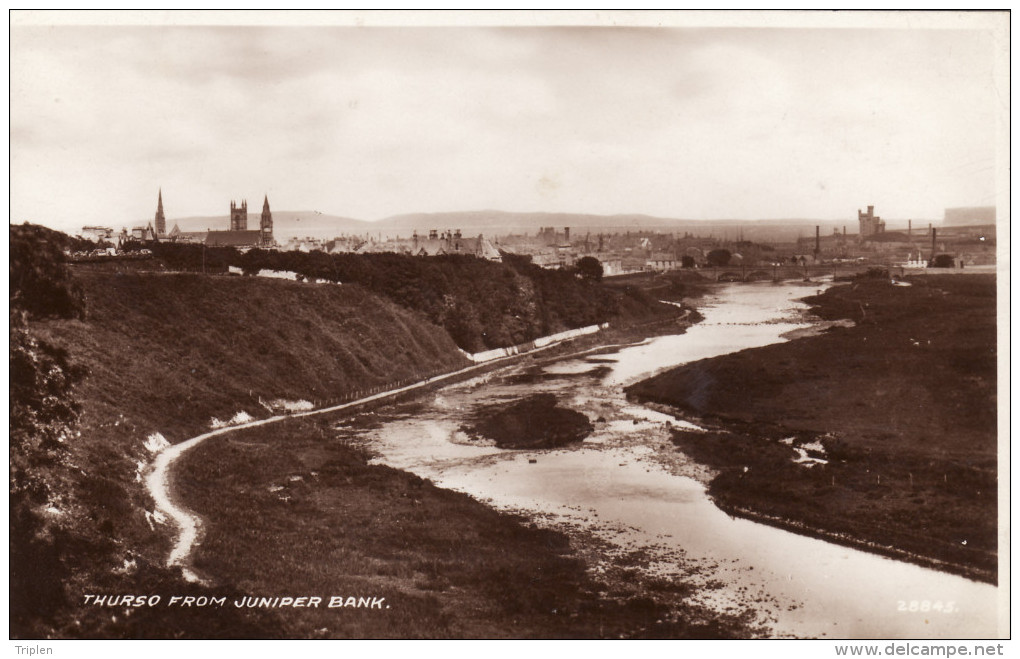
(925, 606)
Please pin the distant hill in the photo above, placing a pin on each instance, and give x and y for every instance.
(286, 224)
(974, 215)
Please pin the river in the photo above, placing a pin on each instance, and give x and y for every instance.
(627, 486)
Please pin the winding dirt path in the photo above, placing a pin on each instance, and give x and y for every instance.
(158, 479)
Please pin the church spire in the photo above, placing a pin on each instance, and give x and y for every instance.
(266, 224)
(160, 217)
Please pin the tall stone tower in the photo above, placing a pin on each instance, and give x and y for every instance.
(239, 216)
(870, 224)
(160, 218)
(266, 224)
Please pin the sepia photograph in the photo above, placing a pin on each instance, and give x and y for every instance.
(553, 325)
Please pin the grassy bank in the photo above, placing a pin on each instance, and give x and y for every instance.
(674, 286)
(296, 511)
(167, 354)
(901, 406)
(482, 304)
(111, 358)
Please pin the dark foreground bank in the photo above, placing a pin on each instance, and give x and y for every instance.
(882, 435)
(107, 366)
(295, 511)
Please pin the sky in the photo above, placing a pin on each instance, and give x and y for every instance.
(368, 121)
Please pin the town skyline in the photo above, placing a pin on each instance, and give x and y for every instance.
(691, 123)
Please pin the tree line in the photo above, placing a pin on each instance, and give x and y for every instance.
(482, 304)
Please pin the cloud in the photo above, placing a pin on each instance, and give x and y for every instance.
(369, 122)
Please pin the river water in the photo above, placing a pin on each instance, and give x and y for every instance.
(628, 486)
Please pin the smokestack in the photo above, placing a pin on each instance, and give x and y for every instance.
(566, 234)
(909, 223)
(818, 240)
(933, 244)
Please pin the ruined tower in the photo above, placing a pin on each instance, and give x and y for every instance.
(266, 223)
(160, 218)
(239, 216)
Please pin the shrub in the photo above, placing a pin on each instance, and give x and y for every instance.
(874, 273)
(589, 268)
(40, 282)
(719, 257)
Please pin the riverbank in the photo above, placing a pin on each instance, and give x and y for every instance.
(159, 357)
(294, 510)
(503, 426)
(637, 610)
(883, 434)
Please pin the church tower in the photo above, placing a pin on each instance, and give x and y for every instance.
(160, 218)
(266, 224)
(239, 216)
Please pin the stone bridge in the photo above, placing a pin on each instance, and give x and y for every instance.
(788, 272)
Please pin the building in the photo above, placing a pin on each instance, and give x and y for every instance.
(306, 244)
(438, 243)
(239, 216)
(239, 235)
(870, 224)
(661, 262)
(549, 237)
(160, 217)
(193, 237)
(344, 244)
(266, 222)
(611, 266)
(137, 234)
(97, 234)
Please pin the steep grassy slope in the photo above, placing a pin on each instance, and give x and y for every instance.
(482, 304)
(168, 352)
(159, 352)
(165, 354)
